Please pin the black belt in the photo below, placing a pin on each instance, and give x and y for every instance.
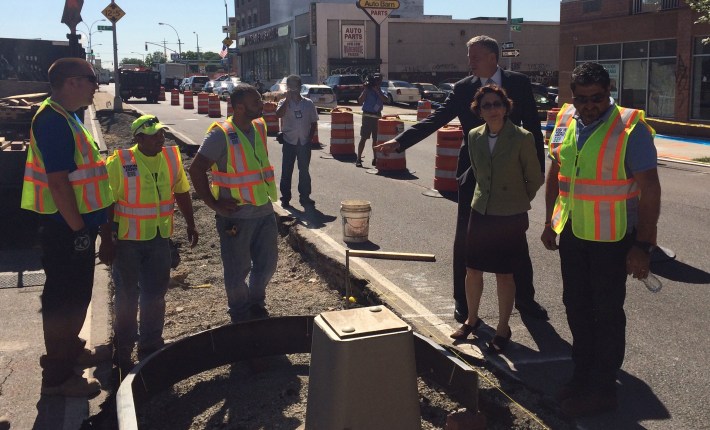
(372, 113)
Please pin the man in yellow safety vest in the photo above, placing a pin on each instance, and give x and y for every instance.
(603, 199)
(146, 181)
(67, 184)
(241, 194)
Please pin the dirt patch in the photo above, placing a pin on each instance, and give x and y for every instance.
(272, 396)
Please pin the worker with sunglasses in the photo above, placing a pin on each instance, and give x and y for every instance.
(603, 199)
(146, 181)
(67, 184)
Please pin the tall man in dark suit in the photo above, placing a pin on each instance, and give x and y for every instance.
(483, 61)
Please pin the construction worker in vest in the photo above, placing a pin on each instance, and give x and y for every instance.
(241, 194)
(67, 184)
(146, 181)
(603, 200)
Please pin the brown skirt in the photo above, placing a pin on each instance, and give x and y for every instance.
(496, 244)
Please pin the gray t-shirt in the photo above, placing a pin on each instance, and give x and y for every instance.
(214, 148)
(296, 123)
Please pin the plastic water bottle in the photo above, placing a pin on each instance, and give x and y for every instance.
(652, 283)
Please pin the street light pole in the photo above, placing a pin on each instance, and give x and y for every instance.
(198, 44)
(89, 28)
(142, 56)
(226, 23)
(178, 36)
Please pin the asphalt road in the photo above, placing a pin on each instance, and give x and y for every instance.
(663, 384)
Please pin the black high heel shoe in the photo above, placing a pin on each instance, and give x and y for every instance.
(465, 329)
(498, 344)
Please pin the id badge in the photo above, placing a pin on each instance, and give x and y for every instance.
(298, 114)
(559, 135)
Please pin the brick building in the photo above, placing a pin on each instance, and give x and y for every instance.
(651, 48)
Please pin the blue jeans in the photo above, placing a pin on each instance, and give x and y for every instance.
(252, 252)
(291, 154)
(141, 272)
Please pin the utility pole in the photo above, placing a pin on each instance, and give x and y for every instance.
(510, 30)
(226, 22)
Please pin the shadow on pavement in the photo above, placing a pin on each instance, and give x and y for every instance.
(310, 217)
(678, 271)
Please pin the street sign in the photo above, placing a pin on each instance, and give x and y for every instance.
(113, 12)
(379, 4)
(516, 28)
(104, 27)
(516, 21)
(233, 51)
(511, 53)
(227, 41)
(507, 45)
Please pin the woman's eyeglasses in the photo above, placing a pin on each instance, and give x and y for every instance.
(90, 78)
(596, 98)
(489, 106)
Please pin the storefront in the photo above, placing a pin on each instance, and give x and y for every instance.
(266, 53)
(652, 50)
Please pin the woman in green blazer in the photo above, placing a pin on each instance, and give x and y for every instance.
(507, 174)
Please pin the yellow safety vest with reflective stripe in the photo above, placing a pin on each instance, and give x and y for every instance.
(146, 204)
(89, 180)
(592, 181)
(249, 176)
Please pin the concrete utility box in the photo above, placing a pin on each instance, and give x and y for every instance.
(362, 374)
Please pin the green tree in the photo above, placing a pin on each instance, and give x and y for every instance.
(156, 57)
(702, 7)
(210, 56)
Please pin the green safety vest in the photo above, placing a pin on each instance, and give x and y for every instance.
(89, 180)
(146, 205)
(592, 181)
(249, 176)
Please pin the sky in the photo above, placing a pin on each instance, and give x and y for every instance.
(198, 20)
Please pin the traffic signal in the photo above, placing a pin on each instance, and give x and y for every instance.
(146, 47)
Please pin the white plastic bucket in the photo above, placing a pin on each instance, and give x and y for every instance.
(356, 220)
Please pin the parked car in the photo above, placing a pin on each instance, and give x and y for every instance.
(225, 88)
(446, 87)
(543, 101)
(345, 87)
(181, 87)
(277, 91)
(400, 92)
(321, 95)
(208, 87)
(430, 92)
(195, 83)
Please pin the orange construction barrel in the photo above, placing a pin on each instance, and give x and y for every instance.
(202, 102)
(214, 109)
(424, 109)
(550, 124)
(342, 133)
(388, 127)
(161, 95)
(187, 100)
(272, 121)
(448, 144)
(174, 97)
